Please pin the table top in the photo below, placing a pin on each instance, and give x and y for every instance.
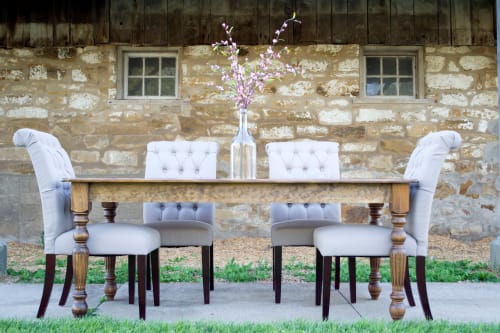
(240, 191)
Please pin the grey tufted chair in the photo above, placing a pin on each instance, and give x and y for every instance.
(184, 223)
(51, 164)
(361, 240)
(293, 224)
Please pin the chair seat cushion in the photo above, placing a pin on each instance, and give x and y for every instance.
(113, 239)
(358, 240)
(184, 233)
(296, 232)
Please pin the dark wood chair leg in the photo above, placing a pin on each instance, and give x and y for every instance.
(155, 272)
(50, 271)
(422, 287)
(131, 279)
(205, 268)
(278, 250)
(352, 278)
(212, 277)
(148, 272)
(68, 279)
(319, 276)
(274, 271)
(408, 291)
(141, 285)
(327, 284)
(337, 273)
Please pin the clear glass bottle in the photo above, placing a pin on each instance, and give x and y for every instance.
(243, 151)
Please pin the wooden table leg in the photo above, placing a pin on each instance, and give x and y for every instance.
(399, 209)
(110, 287)
(374, 287)
(80, 207)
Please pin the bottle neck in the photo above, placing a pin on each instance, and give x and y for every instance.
(243, 121)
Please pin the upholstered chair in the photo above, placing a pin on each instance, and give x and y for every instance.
(184, 223)
(360, 240)
(292, 224)
(51, 164)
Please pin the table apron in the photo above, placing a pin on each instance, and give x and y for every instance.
(239, 193)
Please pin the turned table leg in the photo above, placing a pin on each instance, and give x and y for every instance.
(110, 261)
(80, 207)
(399, 210)
(374, 287)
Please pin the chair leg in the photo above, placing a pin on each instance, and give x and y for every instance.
(327, 284)
(50, 271)
(352, 278)
(68, 279)
(319, 276)
(131, 279)
(148, 272)
(408, 291)
(274, 273)
(205, 269)
(155, 270)
(278, 250)
(141, 285)
(212, 267)
(337, 273)
(422, 287)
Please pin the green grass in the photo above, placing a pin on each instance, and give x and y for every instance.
(103, 324)
(175, 271)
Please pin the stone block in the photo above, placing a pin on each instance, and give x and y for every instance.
(3, 258)
(495, 254)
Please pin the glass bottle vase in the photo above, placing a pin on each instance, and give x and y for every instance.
(243, 151)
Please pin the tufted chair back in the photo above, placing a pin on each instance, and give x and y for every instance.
(51, 164)
(180, 160)
(425, 165)
(304, 160)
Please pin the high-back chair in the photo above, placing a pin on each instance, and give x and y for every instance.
(184, 223)
(360, 240)
(51, 164)
(292, 224)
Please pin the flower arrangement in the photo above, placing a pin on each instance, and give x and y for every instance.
(243, 79)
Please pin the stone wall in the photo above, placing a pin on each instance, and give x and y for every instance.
(70, 92)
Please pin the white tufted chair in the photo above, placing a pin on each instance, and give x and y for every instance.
(52, 164)
(293, 224)
(184, 223)
(361, 240)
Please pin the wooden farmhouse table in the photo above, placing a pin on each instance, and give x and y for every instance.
(376, 192)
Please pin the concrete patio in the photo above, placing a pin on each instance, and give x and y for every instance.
(253, 302)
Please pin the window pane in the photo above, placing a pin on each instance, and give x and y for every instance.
(372, 66)
(168, 66)
(390, 87)
(134, 66)
(372, 87)
(151, 87)
(134, 87)
(406, 87)
(152, 66)
(168, 87)
(389, 66)
(405, 66)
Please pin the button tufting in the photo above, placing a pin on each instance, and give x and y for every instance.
(179, 206)
(195, 207)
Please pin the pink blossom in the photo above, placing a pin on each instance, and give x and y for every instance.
(242, 80)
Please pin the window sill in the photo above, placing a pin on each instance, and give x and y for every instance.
(389, 100)
(146, 101)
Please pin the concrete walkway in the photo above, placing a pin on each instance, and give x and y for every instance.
(254, 302)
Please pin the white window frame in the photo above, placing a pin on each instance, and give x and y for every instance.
(399, 51)
(122, 75)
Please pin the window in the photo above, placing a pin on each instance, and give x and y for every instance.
(391, 72)
(148, 74)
